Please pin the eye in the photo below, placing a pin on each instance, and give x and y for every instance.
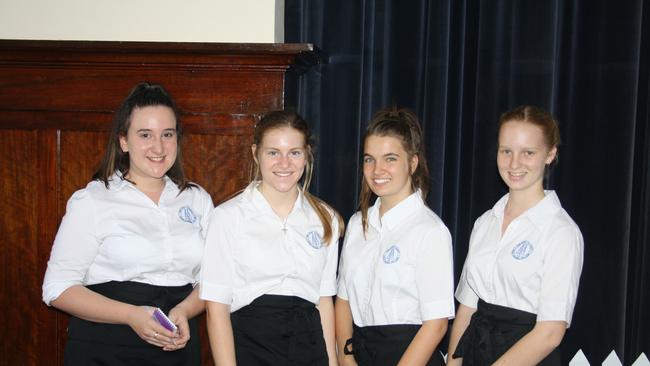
(296, 153)
(271, 153)
(144, 135)
(169, 134)
(529, 153)
(504, 151)
(368, 160)
(391, 159)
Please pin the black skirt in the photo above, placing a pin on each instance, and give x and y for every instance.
(384, 345)
(279, 330)
(91, 343)
(492, 330)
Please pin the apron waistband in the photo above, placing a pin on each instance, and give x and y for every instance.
(492, 330)
(134, 293)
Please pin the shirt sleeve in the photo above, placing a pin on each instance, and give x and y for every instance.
(328, 282)
(561, 277)
(207, 206)
(341, 290)
(216, 279)
(74, 249)
(464, 293)
(434, 275)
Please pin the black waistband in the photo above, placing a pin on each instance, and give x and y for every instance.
(492, 330)
(134, 293)
(137, 293)
(384, 344)
(505, 315)
(277, 314)
(281, 302)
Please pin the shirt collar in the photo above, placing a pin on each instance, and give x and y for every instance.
(536, 214)
(396, 215)
(118, 182)
(253, 196)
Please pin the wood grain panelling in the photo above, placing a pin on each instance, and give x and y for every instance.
(209, 91)
(80, 154)
(57, 100)
(226, 158)
(22, 255)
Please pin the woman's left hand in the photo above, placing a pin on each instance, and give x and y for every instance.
(179, 317)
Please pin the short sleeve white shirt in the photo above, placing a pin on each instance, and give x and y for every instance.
(535, 266)
(120, 234)
(401, 272)
(250, 252)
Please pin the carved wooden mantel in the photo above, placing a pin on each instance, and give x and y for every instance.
(57, 99)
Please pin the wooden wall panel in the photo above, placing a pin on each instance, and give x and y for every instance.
(22, 256)
(56, 105)
(79, 156)
(223, 157)
(209, 91)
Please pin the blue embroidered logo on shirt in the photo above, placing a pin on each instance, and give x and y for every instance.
(186, 214)
(314, 240)
(522, 250)
(391, 255)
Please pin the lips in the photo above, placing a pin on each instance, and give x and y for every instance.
(283, 174)
(156, 159)
(380, 181)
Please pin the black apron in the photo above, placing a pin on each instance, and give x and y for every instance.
(91, 343)
(384, 345)
(492, 330)
(279, 330)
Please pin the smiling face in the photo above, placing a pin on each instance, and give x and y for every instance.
(152, 144)
(387, 169)
(281, 157)
(522, 156)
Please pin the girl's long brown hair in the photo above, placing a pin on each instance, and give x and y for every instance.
(279, 119)
(142, 95)
(405, 126)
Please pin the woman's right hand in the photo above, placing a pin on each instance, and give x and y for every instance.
(141, 320)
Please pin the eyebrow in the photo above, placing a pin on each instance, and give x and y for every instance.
(149, 129)
(523, 148)
(290, 149)
(385, 155)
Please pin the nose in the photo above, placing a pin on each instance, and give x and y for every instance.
(514, 161)
(157, 145)
(284, 160)
(378, 167)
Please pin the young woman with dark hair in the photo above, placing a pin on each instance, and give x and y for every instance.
(130, 242)
(395, 287)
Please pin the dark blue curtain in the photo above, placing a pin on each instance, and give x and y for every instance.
(460, 63)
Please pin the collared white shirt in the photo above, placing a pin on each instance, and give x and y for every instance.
(402, 271)
(120, 234)
(535, 266)
(250, 251)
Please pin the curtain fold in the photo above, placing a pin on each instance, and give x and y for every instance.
(459, 64)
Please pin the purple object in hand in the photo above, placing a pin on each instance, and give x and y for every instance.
(164, 320)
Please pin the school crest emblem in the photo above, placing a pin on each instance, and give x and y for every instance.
(314, 240)
(522, 250)
(186, 214)
(391, 255)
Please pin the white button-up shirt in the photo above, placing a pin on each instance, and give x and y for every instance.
(250, 251)
(402, 271)
(120, 234)
(535, 266)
